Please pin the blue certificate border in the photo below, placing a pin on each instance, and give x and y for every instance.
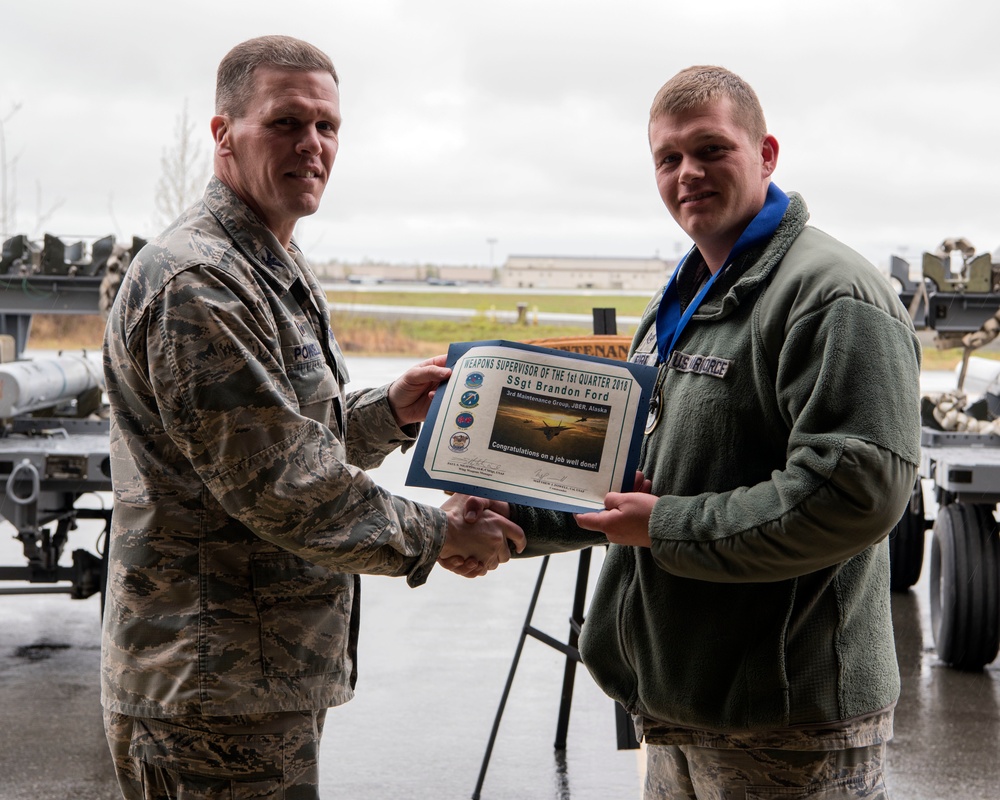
(644, 376)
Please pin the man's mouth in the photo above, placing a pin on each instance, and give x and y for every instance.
(304, 173)
(693, 198)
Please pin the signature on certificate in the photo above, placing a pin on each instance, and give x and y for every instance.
(477, 464)
(546, 478)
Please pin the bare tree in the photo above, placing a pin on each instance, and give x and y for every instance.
(184, 171)
(8, 188)
(7, 192)
(43, 215)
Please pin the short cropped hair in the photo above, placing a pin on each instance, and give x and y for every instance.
(235, 81)
(696, 86)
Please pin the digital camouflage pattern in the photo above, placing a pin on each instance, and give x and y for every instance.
(243, 512)
(838, 760)
(246, 757)
(677, 773)
(871, 729)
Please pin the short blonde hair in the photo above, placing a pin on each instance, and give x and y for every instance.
(697, 86)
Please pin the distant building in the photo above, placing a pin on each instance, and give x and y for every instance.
(382, 272)
(447, 274)
(585, 272)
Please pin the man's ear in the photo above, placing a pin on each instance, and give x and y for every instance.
(769, 155)
(221, 133)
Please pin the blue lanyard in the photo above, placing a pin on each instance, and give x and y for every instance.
(670, 322)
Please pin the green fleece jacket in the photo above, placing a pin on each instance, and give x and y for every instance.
(764, 600)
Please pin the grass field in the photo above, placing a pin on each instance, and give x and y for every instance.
(626, 305)
(420, 338)
(368, 336)
(358, 335)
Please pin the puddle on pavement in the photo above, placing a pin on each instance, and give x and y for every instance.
(40, 651)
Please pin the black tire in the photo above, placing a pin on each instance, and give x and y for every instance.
(906, 543)
(965, 586)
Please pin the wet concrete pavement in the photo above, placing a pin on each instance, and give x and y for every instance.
(947, 723)
(433, 662)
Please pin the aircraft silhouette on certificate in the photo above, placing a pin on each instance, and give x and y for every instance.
(551, 431)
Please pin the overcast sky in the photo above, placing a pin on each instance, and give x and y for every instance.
(522, 122)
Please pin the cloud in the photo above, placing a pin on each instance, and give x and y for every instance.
(521, 121)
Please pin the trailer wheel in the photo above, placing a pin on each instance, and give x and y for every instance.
(906, 543)
(965, 585)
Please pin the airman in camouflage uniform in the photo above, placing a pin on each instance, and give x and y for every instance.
(243, 513)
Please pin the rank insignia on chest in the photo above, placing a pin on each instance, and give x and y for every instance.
(646, 353)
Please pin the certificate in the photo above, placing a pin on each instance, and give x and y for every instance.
(534, 426)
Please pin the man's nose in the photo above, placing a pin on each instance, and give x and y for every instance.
(309, 143)
(691, 169)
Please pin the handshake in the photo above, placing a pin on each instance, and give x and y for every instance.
(480, 535)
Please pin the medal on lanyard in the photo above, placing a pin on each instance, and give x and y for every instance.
(671, 321)
(645, 354)
(655, 405)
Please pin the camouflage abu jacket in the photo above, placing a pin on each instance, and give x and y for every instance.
(242, 510)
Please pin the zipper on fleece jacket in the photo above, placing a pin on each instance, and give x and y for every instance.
(624, 628)
(626, 603)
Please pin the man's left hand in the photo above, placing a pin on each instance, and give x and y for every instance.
(411, 393)
(625, 519)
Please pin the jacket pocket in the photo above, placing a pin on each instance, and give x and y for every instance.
(870, 787)
(315, 386)
(304, 612)
(246, 757)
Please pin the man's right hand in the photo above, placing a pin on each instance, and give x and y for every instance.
(474, 508)
(478, 539)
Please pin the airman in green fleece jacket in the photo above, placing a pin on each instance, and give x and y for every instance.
(742, 613)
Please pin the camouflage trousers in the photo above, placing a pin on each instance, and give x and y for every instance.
(248, 757)
(684, 772)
